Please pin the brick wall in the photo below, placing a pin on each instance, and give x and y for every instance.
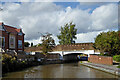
(6, 35)
(49, 56)
(53, 56)
(77, 46)
(101, 59)
(32, 49)
(72, 47)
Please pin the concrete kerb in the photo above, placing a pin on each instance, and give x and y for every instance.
(114, 72)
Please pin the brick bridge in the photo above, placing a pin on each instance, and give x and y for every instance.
(78, 48)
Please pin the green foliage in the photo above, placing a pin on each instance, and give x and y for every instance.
(101, 54)
(10, 63)
(39, 44)
(26, 44)
(47, 43)
(67, 34)
(108, 42)
(118, 66)
(116, 58)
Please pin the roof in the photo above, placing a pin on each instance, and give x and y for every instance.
(11, 29)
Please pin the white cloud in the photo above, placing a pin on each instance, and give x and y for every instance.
(98, 0)
(105, 17)
(87, 37)
(49, 17)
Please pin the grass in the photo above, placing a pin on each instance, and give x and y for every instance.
(80, 61)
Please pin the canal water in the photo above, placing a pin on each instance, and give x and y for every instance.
(68, 70)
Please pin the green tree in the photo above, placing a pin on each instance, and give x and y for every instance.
(67, 34)
(26, 44)
(47, 43)
(39, 44)
(108, 42)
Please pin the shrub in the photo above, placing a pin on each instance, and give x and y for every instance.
(118, 66)
(116, 58)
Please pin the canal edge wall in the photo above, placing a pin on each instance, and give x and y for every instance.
(111, 71)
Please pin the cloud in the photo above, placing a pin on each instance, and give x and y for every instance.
(87, 37)
(103, 18)
(36, 18)
(98, 0)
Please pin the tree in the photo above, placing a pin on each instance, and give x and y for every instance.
(47, 43)
(108, 42)
(37, 45)
(26, 44)
(31, 44)
(67, 34)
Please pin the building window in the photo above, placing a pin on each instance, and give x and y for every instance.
(20, 44)
(20, 34)
(12, 41)
(2, 42)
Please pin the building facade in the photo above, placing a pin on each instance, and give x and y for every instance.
(11, 38)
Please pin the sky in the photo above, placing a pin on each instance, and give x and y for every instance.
(90, 18)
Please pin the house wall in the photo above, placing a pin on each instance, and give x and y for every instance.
(7, 37)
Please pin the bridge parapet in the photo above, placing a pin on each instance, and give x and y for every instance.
(73, 47)
(33, 49)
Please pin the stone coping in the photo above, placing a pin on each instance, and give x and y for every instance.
(107, 68)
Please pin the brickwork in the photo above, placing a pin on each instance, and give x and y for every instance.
(49, 56)
(32, 49)
(77, 46)
(101, 59)
(8, 30)
(53, 56)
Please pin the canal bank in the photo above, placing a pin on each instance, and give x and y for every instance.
(106, 68)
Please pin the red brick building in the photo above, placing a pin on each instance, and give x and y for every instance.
(11, 38)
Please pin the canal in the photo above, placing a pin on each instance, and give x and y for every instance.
(68, 70)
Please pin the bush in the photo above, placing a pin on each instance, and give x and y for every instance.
(10, 64)
(118, 66)
(116, 58)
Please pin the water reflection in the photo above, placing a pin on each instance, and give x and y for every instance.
(70, 70)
